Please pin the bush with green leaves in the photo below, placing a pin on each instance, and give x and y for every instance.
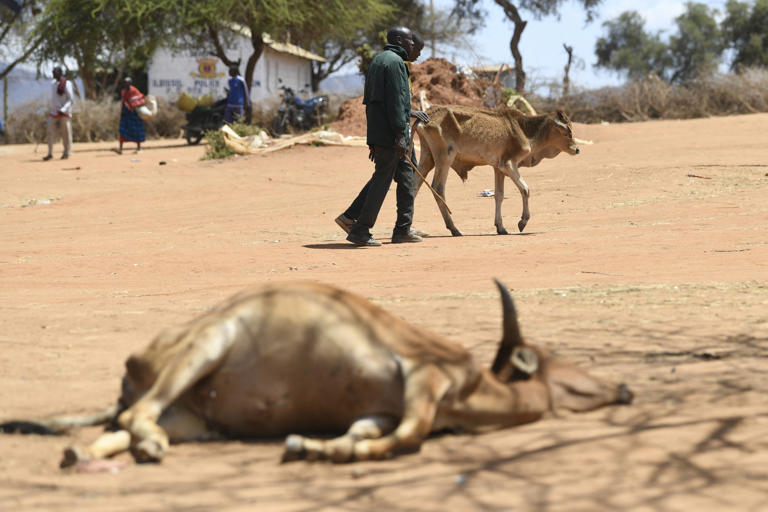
(217, 148)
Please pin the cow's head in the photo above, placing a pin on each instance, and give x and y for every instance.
(561, 134)
(518, 365)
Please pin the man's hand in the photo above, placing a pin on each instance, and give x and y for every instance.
(401, 144)
(371, 153)
(420, 115)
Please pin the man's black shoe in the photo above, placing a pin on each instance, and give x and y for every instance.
(407, 237)
(363, 240)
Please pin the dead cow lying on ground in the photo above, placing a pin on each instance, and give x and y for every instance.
(464, 137)
(311, 358)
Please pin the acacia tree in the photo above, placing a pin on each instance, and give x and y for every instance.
(340, 46)
(538, 8)
(628, 49)
(104, 37)
(745, 30)
(694, 50)
(16, 41)
(697, 47)
(326, 27)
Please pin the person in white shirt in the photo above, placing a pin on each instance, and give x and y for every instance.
(60, 113)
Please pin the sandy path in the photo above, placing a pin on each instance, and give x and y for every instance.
(628, 266)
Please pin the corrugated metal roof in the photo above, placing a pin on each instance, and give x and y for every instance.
(490, 69)
(289, 48)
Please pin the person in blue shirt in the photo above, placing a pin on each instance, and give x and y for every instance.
(238, 100)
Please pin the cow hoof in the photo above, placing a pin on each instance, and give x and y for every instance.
(148, 451)
(294, 448)
(456, 232)
(521, 225)
(624, 395)
(73, 455)
(502, 231)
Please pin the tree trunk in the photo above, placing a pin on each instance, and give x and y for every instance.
(258, 48)
(89, 81)
(566, 77)
(514, 44)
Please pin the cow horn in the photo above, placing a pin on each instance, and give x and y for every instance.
(511, 337)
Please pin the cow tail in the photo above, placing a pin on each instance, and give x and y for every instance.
(60, 424)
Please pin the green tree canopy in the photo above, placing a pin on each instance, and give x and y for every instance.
(745, 30)
(104, 37)
(697, 47)
(328, 28)
(627, 48)
(16, 40)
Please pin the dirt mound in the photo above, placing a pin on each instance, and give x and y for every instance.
(351, 119)
(445, 85)
(438, 78)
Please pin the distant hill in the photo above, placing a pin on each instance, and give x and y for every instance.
(344, 85)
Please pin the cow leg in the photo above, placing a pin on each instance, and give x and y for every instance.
(106, 445)
(514, 173)
(438, 183)
(424, 388)
(206, 347)
(179, 424)
(426, 164)
(339, 449)
(498, 198)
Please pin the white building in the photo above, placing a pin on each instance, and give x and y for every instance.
(171, 74)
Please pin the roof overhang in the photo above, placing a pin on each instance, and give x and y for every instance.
(288, 48)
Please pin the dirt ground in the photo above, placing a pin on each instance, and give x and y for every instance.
(629, 266)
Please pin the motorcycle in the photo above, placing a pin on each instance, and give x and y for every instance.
(298, 114)
(202, 119)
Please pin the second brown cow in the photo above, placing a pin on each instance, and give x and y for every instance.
(462, 138)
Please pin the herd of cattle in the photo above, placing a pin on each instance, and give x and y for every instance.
(298, 359)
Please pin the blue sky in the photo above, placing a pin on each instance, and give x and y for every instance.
(542, 41)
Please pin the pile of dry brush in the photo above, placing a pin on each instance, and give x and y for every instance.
(652, 98)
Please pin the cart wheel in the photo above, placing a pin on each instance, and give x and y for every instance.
(194, 138)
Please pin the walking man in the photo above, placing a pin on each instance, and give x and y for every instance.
(387, 100)
(404, 175)
(60, 113)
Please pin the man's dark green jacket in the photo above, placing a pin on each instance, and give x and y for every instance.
(387, 97)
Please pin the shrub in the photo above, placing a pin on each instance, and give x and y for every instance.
(652, 98)
(217, 148)
(92, 121)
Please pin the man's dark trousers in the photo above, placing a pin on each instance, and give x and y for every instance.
(405, 190)
(365, 208)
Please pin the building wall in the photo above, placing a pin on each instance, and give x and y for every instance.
(170, 73)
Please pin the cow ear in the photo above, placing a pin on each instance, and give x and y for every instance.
(562, 116)
(511, 336)
(525, 360)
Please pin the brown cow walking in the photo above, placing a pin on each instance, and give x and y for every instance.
(464, 137)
